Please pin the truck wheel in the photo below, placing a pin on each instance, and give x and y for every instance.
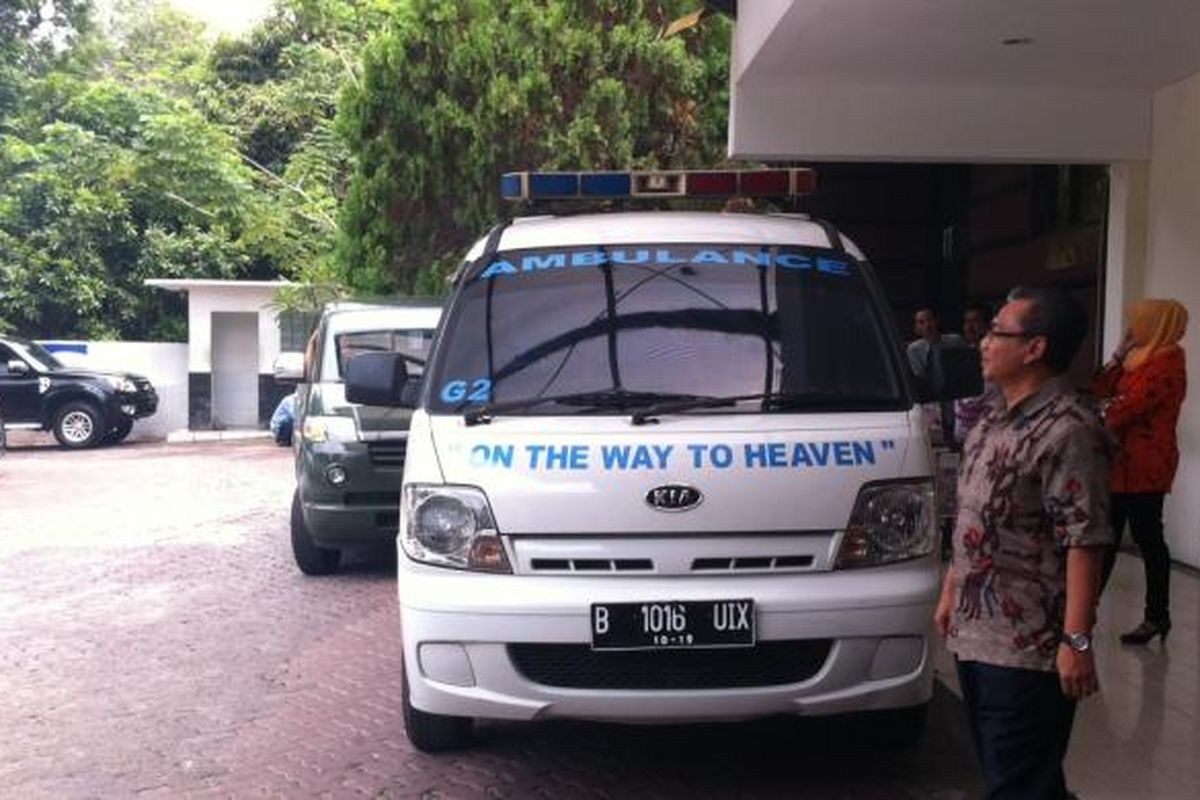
(433, 733)
(119, 433)
(311, 559)
(899, 727)
(78, 424)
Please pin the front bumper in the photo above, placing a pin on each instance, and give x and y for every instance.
(457, 628)
(363, 510)
(133, 405)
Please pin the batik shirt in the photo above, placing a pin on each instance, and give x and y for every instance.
(1033, 482)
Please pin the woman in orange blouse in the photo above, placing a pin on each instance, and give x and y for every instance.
(1141, 390)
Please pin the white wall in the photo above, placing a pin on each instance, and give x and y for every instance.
(164, 363)
(967, 123)
(1173, 270)
(204, 300)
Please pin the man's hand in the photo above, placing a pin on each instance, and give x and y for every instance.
(1076, 672)
(945, 606)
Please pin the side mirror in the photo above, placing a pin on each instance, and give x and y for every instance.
(288, 367)
(18, 367)
(960, 373)
(377, 379)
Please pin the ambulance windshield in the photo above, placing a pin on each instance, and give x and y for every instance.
(662, 321)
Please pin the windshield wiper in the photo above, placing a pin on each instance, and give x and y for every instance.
(773, 400)
(602, 399)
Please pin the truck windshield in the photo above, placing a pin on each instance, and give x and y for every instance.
(412, 344)
(659, 321)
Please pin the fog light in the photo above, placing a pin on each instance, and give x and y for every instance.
(128, 410)
(446, 662)
(896, 656)
(336, 474)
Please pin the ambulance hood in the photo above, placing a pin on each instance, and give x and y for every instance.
(751, 472)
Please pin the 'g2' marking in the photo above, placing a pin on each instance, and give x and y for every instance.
(476, 391)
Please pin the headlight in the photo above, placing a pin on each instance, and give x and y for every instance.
(120, 384)
(451, 526)
(891, 521)
(329, 429)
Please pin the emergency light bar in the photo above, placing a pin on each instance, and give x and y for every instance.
(666, 183)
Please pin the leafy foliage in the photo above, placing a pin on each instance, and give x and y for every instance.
(456, 92)
(33, 34)
(141, 148)
(111, 174)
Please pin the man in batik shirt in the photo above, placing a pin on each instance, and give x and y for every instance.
(1018, 602)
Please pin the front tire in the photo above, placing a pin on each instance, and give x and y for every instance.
(899, 727)
(311, 559)
(79, 424)
(118, 433)
(433, 733)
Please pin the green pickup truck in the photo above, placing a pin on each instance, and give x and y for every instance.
(349, 457)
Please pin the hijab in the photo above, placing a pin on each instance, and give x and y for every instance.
(1156, 325)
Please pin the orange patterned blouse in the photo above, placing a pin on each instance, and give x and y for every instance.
(1140, 409)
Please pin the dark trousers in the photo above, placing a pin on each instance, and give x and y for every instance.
(1021, 723)
(1143, 512)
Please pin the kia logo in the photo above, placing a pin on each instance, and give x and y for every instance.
(673, 497)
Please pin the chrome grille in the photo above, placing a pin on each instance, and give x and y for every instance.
(387, 454)
(592, 565)
(770, 563)
(578, 666)
(672, 554)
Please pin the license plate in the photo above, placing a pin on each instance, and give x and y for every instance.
(673, 624)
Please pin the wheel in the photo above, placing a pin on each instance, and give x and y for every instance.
(119, 432)
(311, 559)
(78, 424)
(433, 733)
(899, 727)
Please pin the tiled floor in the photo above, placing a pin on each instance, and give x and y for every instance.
(1140, 737)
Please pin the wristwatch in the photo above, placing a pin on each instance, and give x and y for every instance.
(1079, 642)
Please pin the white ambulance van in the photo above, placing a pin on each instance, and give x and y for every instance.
(664, 467)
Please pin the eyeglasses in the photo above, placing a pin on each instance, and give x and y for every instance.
(998, 334)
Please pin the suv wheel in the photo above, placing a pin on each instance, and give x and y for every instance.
(118, 433)
(433, 733)
(311, 559)
(78, 424)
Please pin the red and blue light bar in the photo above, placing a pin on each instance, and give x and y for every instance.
(657, 183)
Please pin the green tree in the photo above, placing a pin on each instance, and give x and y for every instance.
(34, 34)
(145, 149)
(110, 175)
(455, 92)
(276, 89)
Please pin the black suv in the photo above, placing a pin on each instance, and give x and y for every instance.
(83, 407)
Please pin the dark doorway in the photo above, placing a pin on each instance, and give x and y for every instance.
(953, 235)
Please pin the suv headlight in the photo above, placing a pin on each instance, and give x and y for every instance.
(451, 526)
(891, 521)
(329, 429)
(123, 385)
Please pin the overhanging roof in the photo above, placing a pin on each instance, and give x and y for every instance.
(966, 80)
(185, 284)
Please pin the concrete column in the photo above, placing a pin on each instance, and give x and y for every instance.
(1125, 265)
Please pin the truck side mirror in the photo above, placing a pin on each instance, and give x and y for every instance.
(962, 374)
(377, 379)
(18, 367)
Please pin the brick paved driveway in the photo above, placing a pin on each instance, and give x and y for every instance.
(156, 641)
